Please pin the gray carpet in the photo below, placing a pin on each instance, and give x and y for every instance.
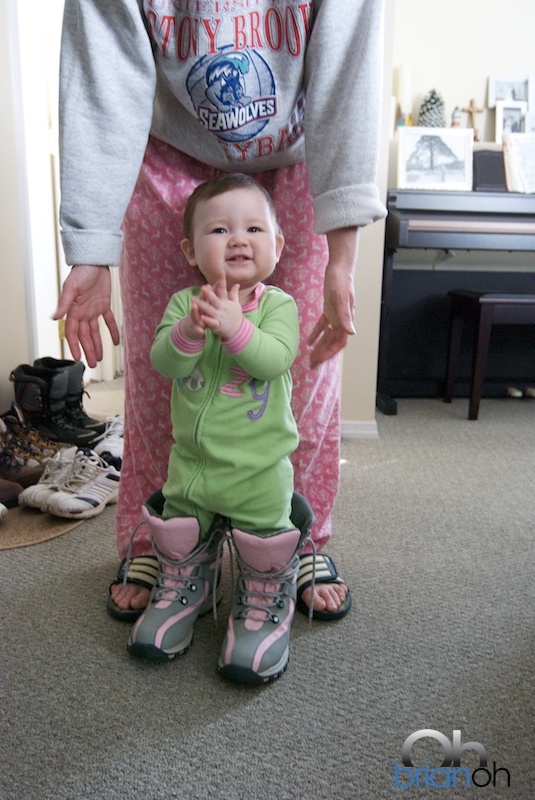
(434, 533)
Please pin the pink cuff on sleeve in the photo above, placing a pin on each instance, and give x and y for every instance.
(183, 344)
(241, 338)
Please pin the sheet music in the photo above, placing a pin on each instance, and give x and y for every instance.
(519, 159)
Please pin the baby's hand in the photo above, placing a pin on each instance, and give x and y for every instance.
(220, 309)
(192, 326)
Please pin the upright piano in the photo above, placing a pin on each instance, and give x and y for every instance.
(414, 312)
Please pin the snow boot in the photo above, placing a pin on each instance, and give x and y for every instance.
(41, 393)
(185, 585)
(74, 408)
(256, 646)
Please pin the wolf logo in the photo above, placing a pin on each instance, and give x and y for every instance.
(233, 93)
(224, 78)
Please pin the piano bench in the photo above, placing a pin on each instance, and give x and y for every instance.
(485, 309)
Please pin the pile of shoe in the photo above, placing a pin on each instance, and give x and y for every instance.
(46, 441)
(24, 453)
(76, 484)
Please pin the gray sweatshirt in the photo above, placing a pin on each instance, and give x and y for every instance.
(228, 82)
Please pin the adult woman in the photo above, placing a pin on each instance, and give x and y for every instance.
(157, 96)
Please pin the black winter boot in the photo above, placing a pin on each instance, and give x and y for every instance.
(75, 391)
(40, 394)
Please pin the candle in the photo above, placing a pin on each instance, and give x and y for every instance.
(405, 89)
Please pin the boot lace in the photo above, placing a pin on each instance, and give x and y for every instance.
(173, 581)
(86, 465)
(56, 471)
(21, 434)
(262, 593)
(114, 433)
(177, 577)
(12, 454)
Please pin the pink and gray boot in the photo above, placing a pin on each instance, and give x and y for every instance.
(187, 579)
(256, 648)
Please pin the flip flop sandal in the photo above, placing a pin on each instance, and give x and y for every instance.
(319, 568)
(143, 571)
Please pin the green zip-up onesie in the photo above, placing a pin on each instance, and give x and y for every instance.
(233, 427)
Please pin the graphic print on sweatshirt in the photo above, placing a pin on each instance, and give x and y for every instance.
(227, 47)
(231, 389)
(233, 93)
(259, 390)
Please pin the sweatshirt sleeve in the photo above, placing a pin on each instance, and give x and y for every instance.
(107, 85)
(343, 81)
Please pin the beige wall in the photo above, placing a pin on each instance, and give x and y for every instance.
(14, 327)
(453, 47)
(28, 265)
(359, 363)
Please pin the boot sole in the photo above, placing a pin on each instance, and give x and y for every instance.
(246, 676)
(148, 652)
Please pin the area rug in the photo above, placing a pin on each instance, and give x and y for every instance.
(25, 526)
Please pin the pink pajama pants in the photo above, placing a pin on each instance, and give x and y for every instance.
(152, 269)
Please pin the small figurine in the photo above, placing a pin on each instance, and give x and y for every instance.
(472, 110)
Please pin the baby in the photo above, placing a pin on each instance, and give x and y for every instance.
(228, 346)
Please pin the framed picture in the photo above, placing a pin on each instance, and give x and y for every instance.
(509, 87)
(510, 117)
(435, 158)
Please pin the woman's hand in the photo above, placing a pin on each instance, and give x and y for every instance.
(86, 295)
(330, 333)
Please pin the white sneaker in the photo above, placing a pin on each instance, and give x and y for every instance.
(3, 511)
(57, 471)
(110, 444)
(91, 486)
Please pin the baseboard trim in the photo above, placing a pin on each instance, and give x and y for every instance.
(359, 429)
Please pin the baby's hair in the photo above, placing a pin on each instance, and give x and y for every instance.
(220, 185)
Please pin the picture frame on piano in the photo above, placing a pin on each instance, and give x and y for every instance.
(510, 87)
(436, 159)
(510, 117)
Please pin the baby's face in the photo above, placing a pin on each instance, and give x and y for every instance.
(235, 233)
